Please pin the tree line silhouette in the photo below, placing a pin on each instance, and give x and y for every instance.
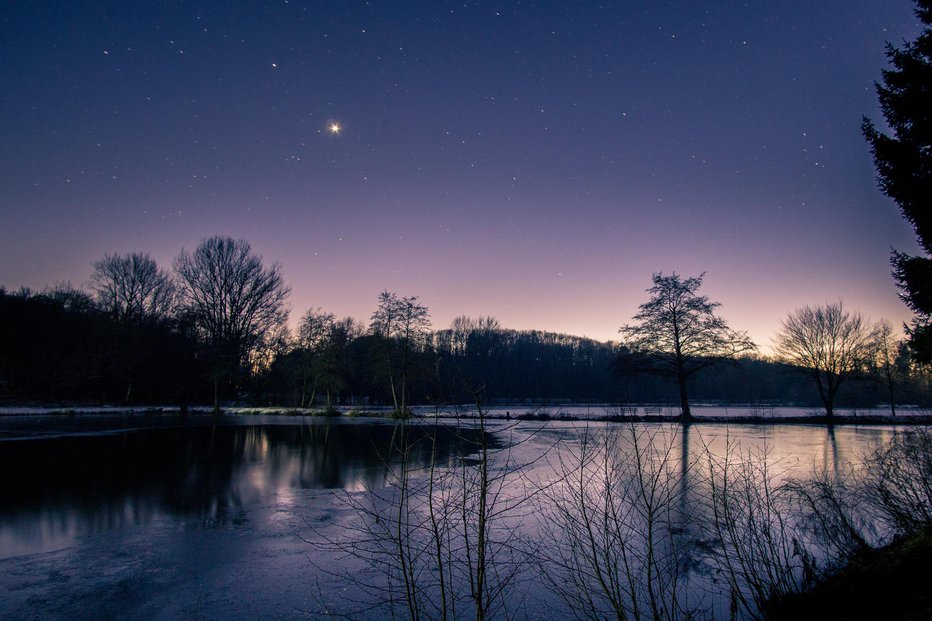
(215, 330)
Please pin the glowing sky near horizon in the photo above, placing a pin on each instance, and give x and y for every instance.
(533, 161)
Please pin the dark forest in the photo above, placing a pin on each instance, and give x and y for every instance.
(61, 346)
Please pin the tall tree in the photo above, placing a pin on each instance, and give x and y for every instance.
(884, 362)
(133, 291)
(234, 301)
(827, 343)
(904, 168)
(678, 334)
(131, 287)
(313, 333)
(403, 324)
(332, 356)
(323, 341)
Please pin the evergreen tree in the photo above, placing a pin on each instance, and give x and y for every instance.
(904, 168)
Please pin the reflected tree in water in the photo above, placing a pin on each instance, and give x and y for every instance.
(612, 524)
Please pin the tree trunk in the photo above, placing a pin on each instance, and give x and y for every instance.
(685, 413)
(829, 401)
(394, 395)
(889, 375)
(313, 399)
(391, 379)
(404, 377)
(404, 404)
(826, 394)
(303, 400)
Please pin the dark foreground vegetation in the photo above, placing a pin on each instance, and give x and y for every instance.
(863, 540)
(888, 583)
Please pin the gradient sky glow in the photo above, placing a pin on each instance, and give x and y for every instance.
(531, 161)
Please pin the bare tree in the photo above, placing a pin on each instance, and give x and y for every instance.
(897, 482)
(678, 334)
(828, 343)
(332, 362)
(442, 541)
(132, 287)
(233, 300)
(133, 290)
(322, 339)
(762, 557)
(274, 344)
(611, 520)
(886, 347)
(403, 323)
(460, 328)
(312, 336)
(68, 297)
(463, 328)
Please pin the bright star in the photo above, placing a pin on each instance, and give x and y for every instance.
(335, 128)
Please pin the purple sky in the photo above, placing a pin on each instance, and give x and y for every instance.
(531, 161)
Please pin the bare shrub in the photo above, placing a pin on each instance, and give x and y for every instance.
(887, 493)
(750, 517)
(778, 538)
(829, 510)
(611, 522)
(897, 481)
(440, 542)
(618, 514)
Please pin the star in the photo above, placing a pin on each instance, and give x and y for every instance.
(335, 128)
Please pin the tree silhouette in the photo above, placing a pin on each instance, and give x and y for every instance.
(403, 325)
(322, 344)
(904, 168)
(313, 333)
(136, 295)
(58, 345)
(884, 362)
(678, 334)
(232, 299)
(131, 287)
(829, 344)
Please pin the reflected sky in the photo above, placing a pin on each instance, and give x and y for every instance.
(66, 486)
(676, 476)
(156, 517)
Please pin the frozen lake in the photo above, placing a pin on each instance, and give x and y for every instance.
(165, 518)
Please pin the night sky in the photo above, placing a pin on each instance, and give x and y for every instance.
(533, 161)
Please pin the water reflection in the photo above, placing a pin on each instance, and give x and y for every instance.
(59, 488)
(672, 481)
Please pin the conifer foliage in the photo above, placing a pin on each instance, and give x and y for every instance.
(903, 160)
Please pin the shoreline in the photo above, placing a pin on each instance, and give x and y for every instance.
(542, 414)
